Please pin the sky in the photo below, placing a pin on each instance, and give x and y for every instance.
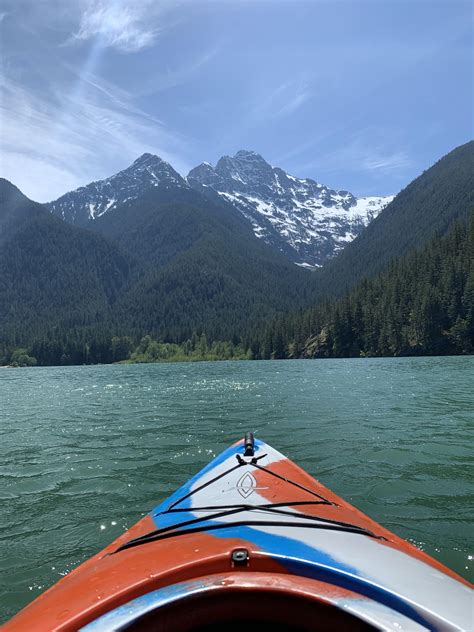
(360, 95)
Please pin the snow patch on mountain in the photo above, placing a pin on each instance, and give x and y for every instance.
(306, 220)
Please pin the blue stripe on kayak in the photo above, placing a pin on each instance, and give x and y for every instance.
(186, 488)
(167, 520)
(306, 561)
(358, 584)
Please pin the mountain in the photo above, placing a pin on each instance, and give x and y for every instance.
(305, 220)
(428, 206)
(52, 275)
(88, 203)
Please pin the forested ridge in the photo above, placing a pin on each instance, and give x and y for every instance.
(52, 277)
(428, 206)
(422, 305)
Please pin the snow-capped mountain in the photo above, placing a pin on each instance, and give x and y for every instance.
(306, 220)
(90, 202)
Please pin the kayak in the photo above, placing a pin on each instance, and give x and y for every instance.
(254, 542)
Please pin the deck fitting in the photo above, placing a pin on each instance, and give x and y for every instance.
(240, 557)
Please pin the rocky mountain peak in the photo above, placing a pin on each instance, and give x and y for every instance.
(308, 221)
(92, 201)
(246, 170)
(204, 174)
(146, 157)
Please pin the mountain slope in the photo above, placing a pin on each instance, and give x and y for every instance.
(427, 206)
(202, 268)
(173, 261)
(162, 222)
(85, 204)
(52, 274)
(307, 221)
(207, 289)
(15, 209)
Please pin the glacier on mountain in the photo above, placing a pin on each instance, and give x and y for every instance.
(304, 219)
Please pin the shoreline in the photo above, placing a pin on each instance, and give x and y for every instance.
(195, 360)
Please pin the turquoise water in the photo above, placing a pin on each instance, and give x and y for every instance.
(86, 451)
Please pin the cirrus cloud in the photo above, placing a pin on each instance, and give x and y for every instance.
(120, 24)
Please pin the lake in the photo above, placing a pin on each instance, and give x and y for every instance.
(86, 451)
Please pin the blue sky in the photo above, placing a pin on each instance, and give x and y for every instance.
(361, 95)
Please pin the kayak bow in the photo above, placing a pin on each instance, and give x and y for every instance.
(253, 540)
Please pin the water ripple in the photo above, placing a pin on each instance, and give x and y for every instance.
(86, 451)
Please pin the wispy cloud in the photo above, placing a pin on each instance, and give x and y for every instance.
(386, 162)
(371, 150)
(372, 158)
(53, 142)
(294, 103)
(126, 25)
(165, 78)
(281, 101)
(116, 96)
(61, 123)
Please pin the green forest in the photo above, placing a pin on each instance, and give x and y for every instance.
(422, 305)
